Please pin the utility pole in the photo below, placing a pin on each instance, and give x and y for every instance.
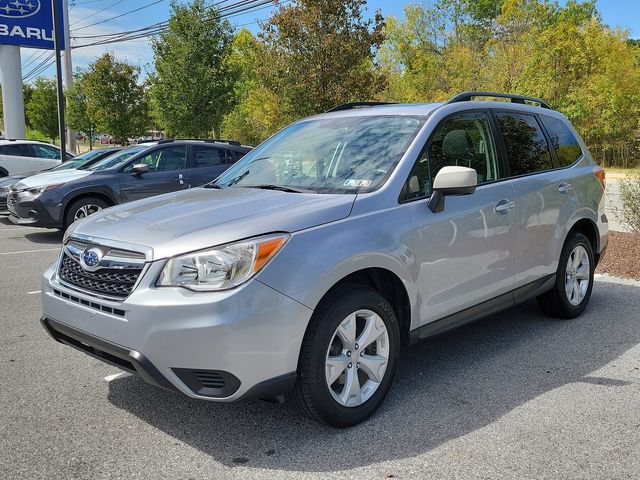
(57, 40)
(68, 71)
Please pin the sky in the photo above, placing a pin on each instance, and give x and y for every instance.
(84, 14)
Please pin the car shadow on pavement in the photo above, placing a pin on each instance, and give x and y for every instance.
(45, 236)
(446, 387)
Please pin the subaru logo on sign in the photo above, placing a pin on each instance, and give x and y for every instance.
(19, 8)
(90, 259)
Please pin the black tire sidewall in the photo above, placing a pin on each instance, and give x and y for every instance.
(73, 208)
(572, 311)
(314, 374)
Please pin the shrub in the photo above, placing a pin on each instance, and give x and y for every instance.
(629, 214)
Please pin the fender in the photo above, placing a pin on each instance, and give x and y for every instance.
(103, 190)
(334, 251)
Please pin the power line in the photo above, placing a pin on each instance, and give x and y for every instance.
(121, 15)
(93, 14)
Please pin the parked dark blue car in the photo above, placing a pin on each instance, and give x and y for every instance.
(57, 199)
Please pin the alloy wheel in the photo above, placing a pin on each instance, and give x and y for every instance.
(357, 358)
(577, 275)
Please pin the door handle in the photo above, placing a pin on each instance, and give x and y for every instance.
(565, 187)
(504, 206)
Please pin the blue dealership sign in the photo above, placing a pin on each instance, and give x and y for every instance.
(28, 23)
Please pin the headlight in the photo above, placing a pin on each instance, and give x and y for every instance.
(222, 267)
(41, 189)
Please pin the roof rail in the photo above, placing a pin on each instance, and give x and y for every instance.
(354, 105)
(205, 140)
(468, 96)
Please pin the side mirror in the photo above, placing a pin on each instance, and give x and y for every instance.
(452, 181)
(140, 168)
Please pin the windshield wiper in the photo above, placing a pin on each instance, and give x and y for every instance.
(212, 185)
(281, 188)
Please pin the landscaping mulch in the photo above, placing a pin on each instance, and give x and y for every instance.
(622, 258)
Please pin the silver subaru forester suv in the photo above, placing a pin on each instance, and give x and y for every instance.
(304, 268)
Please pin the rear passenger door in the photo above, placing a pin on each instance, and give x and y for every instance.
(167, 173)
(47, 157)
(208, 162)
(545, 198)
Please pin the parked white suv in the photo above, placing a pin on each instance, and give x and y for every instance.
(27, 156)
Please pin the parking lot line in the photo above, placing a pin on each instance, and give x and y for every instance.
(34, 292)
(116, 376)
(30, 251)
(19, 228)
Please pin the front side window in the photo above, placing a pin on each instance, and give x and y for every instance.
(563, 140)
(526, 145)
(46, 152)
(328, 155)
(463, 140)
(164, 159)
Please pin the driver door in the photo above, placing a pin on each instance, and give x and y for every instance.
(167, 173)
(464, 254)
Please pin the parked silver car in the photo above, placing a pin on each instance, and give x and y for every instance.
(303, 269)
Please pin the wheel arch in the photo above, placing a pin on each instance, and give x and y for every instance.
(104, 196)
(389, 285)
(4, 172)
(589, 229)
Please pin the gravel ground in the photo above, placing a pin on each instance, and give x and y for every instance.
(514, 396)
(622, 257)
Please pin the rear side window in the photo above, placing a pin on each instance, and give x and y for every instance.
(210, 157)
(563, 141)
(16, 150)
(526, 145)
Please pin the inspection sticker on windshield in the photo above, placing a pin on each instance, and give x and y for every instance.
(356, 182)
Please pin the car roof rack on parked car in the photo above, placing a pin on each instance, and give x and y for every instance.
(353, 105)
(205, 140)
(468, 96)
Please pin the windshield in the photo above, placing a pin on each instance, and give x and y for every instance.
(330, 155)
(78, 161)
(117, 158)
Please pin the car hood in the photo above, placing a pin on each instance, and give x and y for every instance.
(199, 218)
(52, 178)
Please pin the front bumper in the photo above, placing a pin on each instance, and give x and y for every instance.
(222, 346)
(29, 210)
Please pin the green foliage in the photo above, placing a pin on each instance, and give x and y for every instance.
(115, 98)
(42, 109)
(629, 215)
(77, 113)
(192, 88)
(564, 54)
(320, 53)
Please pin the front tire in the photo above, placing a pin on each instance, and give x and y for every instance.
(574, 280)
(82, 208)
(349, 357)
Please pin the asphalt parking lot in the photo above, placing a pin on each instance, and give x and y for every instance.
(514, 396)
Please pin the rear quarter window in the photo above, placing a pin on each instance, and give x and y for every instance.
(563, 141)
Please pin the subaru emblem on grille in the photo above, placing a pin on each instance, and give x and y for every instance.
(90, 259)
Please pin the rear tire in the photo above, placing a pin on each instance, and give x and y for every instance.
(574, 280)
(82, 208)
(342, 382)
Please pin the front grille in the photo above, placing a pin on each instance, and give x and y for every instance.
(111, 282)
(87, 303)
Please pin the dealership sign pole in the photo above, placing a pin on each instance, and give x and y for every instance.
(26, 23)
(57, 44)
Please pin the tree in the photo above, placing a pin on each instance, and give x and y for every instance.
(321, 53)
(192, 88)
(77, 102)
(42, 109)
(115, 98)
